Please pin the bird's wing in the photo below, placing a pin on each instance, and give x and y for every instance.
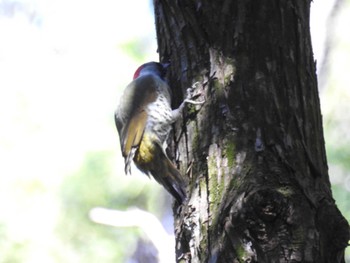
(131, 120)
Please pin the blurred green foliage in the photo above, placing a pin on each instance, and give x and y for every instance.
(11, 251)
(137, 48)
(342, 197)
(94, 185)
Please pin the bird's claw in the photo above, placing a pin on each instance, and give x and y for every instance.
(190, 97)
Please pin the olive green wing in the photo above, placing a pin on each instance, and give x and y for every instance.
(131, 116)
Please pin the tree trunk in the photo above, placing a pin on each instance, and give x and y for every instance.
(254, 153)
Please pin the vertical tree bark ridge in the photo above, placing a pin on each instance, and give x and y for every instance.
(254, 152)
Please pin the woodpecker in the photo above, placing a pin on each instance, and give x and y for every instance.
(143, 119)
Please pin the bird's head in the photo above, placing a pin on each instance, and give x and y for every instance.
(155, 68)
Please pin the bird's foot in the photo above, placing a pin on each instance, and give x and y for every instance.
(190, 97)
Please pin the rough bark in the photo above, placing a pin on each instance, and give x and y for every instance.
(254, 153)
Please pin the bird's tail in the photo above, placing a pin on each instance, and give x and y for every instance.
(167, 175)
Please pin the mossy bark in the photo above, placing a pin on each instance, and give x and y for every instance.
(254, 153)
